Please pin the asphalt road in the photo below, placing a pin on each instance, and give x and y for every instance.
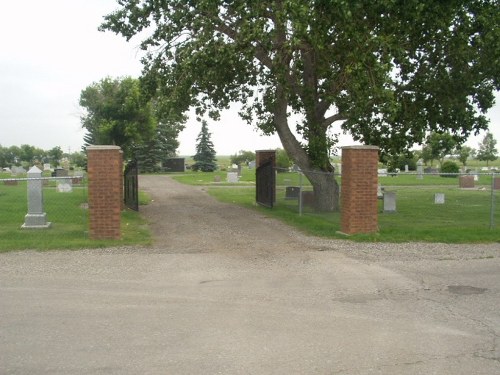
(228, 291)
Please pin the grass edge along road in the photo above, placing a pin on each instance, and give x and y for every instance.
(464, 218)
(68, 214)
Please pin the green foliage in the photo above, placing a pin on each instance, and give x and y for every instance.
(400, 161)
(388, 72)
(117, 113)
(205, 159)
(242, 157)
(55, 155)
(15, 155)
(487, 150)
(283, 162)
(151, 154)
(464, 152)
(78, 159)
(449, 167)
(437, 146)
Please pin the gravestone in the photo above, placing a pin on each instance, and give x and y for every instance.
(18, 170)
(292, 192)
(35, 218)
(380, 192)
(496, 183)
(389, 201)
(382, 172)
(420, 169)
(407, 169)
(251, 165)
(65, 185)
(217, 178)
(439, 198)
(232, 177)
(60, 172)
(466, 182)
(174, 165)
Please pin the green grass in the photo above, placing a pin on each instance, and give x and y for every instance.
(208, 178)
(464, 218)
(69, 217)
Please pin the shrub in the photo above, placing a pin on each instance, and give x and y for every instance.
(449, 167)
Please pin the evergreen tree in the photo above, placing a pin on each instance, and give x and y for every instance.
(150, 155)
(205, 160)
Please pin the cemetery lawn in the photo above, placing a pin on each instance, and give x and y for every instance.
(68, 214)
(463, 218)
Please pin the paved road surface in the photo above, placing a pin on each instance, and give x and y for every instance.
(228, 291)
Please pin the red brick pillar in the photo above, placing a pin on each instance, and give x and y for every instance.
(105, 172)
(359, 207)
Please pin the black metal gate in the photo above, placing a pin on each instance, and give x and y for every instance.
(131, 186)
(265, 184)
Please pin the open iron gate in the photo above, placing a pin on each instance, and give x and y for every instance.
(131, 186)
(264, 185)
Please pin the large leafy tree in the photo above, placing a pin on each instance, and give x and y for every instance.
(242, 157)
(55, 154)
(487, 150)
(437, 146)
(385, 71)
(117, 113)
(463, 153)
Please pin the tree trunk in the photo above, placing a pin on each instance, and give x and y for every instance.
(326, 191)
(325, 187)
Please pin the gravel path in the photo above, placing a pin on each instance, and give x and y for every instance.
(225, 290)
(185, 219)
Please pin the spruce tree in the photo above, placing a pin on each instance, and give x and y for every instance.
(152, 154)
(205, 160)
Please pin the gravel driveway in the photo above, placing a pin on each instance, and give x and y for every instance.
(225, 290)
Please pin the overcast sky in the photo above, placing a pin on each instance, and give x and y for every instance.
(51, 50)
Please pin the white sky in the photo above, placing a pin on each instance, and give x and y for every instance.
(51, 50)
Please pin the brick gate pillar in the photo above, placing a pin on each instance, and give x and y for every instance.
(105, 173)
(359, 205)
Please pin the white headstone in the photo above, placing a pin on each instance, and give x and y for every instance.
(64, 186)
(389, 201)
(439, 198)
(382, 172)
(232, 177)
(380, 193)
(36, 217)
(420, 169)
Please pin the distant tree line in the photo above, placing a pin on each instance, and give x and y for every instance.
(26, 156)
(438, 146)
